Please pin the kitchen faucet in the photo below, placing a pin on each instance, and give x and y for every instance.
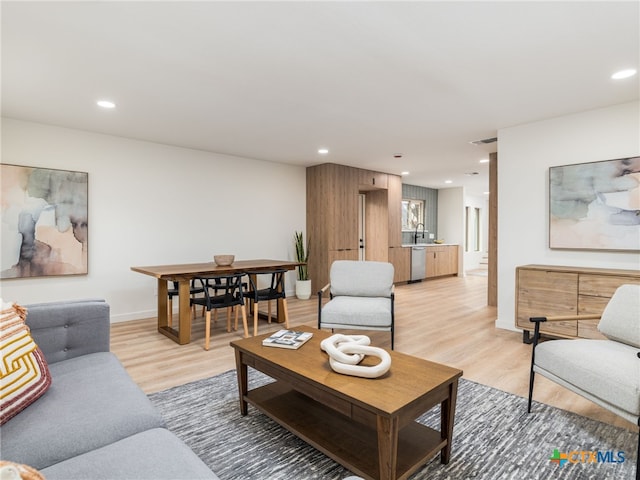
(415, 235)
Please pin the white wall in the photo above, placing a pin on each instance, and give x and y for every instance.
(153, 204)
(525, 154)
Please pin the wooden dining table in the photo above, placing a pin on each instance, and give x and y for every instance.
(183, 274)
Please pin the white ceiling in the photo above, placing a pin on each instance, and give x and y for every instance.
(277, 80)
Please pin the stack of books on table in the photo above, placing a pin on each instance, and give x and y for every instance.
(287, 339)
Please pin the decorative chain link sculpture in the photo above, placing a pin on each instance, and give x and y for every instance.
(347, 351)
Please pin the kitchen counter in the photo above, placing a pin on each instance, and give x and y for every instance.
(409, 245)
(429, 260)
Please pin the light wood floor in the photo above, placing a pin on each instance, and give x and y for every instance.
(443, 320)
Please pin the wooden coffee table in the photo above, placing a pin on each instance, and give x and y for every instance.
(366, 425)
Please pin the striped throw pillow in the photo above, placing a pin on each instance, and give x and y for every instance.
(24, 374)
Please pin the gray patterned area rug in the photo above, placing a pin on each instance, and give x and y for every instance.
(494, 438)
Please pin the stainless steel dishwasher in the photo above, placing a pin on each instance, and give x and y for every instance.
(418, 262)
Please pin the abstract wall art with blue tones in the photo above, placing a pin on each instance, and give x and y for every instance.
(44, 222)
(596, 205)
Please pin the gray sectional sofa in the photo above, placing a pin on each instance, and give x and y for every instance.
(93, 422)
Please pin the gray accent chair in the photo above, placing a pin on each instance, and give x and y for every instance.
(93, 422)
(607, 372)
(361, 297)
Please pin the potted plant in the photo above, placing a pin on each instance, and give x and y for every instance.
(303, 284)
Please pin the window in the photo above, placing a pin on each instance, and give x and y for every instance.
(472, 230)
(412, 213)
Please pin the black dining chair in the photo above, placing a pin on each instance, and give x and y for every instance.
(221, 291)
(213, 283)
(274, 291)
(173, 292)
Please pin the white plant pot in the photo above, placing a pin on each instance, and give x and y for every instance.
(303, 289)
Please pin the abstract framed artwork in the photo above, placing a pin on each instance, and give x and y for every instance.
(595, 206)
(44, 222)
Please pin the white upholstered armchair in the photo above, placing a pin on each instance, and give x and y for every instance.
(362, 297)
(607, 372)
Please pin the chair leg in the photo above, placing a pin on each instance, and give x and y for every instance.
(244, 321)
(235, 328)
(269, 311)
(255, 319)
(193, 309)
(207, 329)
(532, 373)
(228, 319)
(250, 306)
(531, 379)
(285, 312)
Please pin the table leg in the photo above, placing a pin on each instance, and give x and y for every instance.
(163, 317)
(281, 309)
(447, 414)
(184, 313)
(387, 446)
(243, 384)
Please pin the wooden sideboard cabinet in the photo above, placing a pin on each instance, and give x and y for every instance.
(545, 290)
(441, 260)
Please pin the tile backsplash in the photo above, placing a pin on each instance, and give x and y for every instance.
(430, 197)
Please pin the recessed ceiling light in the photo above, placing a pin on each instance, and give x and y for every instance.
(404, 173)
(106, 104)
(484, 160)
(323, 151)
(629, 72)
(448, 181)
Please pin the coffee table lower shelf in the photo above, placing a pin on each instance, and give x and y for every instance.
(352, 444)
